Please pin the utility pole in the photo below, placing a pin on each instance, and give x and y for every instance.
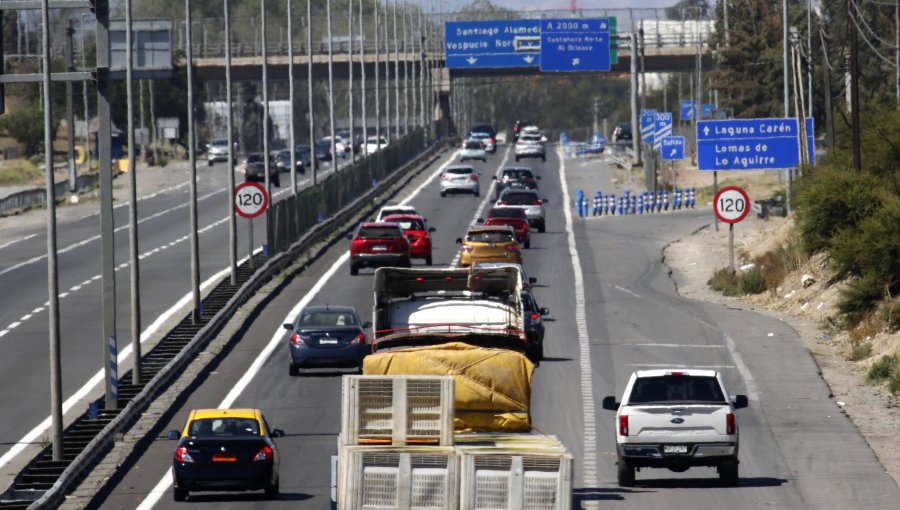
(396, 71)
(854, 92)
(196, 313)
(135, 273)
(265, 99)
(313, 160)
(334, 156)
(291, 96)
(727, 30)
(352, 138)
(229, 123)
(826, 82)
(70, 107)
(387, 74)
(809, 60)
(635, 107)
(377, 82)
(362, 72)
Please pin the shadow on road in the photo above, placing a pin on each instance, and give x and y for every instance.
(250, 496)
(702, 483)
(554, 360)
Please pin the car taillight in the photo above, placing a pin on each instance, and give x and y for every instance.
(474, 177)
(512, 247)
(360, 338)
(182, 455)
(445, 177)
(531, 180)
(501, 203)
(520, 142)
(535, 318)
(265, 453)
(623, 426)
(297, 340)
(729, 424)
(467, 248)
(536, 202)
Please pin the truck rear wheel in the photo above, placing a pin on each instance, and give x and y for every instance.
(625, 473)
(728, 474)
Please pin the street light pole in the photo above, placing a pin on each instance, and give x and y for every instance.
(313, 161)
(229, 122)
(135, 272)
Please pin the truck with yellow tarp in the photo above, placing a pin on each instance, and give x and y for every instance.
(468, 324)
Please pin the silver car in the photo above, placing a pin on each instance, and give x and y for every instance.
(527, 199)
(472, 149)
(217, 150)
(458, 178)
(531, 145)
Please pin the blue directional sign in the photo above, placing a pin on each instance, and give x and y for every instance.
(747, 144)
(491, 44)
(662, 128)
(672, 148)
(648, 125)
(706, 110)
(688, 109)
(573, 45)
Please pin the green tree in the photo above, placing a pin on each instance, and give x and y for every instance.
(26, 126)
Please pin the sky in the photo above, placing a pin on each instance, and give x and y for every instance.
(522, 5)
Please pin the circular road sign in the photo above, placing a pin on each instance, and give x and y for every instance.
(250, 199)
(731, 204)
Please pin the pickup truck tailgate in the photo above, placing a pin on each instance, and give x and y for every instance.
(676, 423)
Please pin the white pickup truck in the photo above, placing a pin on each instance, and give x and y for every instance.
(676, 419)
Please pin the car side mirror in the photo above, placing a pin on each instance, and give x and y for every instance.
(288, 326)
(479, 220)
(432, 229)
(610, 404)
(741, 401)
(545, 311)
(494, 177)
(173, 435)
(459, 240)
(367, 324)
(532, 279)
(277, 433)
(545, 201)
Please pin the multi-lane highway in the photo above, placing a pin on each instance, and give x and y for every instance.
(165, 278)
(616, 309)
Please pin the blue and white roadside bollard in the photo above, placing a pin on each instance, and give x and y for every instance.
(598, 203)
(676, 199)
(666, 199)
(579, 194)
(584, 206)
(693, 197)
(640, 204)
(612, 204)
(633, 204)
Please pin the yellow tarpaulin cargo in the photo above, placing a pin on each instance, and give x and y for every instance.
(493, 386)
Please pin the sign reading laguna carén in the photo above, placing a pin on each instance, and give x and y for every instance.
(747, 144)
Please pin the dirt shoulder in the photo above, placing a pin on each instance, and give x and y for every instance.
(874, 411)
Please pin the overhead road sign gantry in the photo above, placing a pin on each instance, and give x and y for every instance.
(575, 45)
(493, 44)
(748, 144)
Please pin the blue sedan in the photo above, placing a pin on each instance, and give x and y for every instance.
(327, 336)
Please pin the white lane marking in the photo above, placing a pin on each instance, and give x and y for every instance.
(3, 333)
(158, 490)
(14, 241)
(14, 325)
(484, 201)
(677, 346)
(623, 289)
(675, 365)
(25, 317)
(94, 381)
(37, 310)
(589, 469)
(749, 381)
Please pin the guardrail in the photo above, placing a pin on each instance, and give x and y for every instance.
(104, 440)
(38, 196)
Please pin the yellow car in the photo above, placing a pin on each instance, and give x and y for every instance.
(225, 449)
(489, 244)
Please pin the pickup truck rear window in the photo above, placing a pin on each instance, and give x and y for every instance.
(490, 237)
(676, 388)
(519, 198)
(379, 232)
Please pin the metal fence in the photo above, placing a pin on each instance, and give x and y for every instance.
(290, 218)
(38, 196)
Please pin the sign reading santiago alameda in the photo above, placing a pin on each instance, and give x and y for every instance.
(492, 44)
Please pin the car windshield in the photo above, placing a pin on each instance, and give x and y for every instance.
(220, 142)
(374, 140)
(489, 237)
(254, 158)
(473, 145)
(516, 175)
(379, 232)
(506, 212)
(409, 224)
(328, 319)
(224, 427)
(676, 388)
(519, 198)
(459, 171)
(530, 138)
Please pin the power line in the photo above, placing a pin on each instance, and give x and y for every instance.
(866, 39)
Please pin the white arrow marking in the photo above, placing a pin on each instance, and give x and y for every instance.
(672, 153)
(528, 58)
(706, 130)
(471, 60)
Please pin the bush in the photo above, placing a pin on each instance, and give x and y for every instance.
(22, 172)
(26, 126)
(859, 298)
(832, 200)
(883, 368)
(859, 351)
(738, 284)
(776, 264)
(875, 248)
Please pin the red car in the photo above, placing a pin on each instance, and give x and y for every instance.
(418, 232)
(378, 244)
(515, 218)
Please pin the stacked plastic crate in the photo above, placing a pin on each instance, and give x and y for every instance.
(397, 450)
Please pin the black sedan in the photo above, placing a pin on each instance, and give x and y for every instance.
(327, 336)
(225, 449)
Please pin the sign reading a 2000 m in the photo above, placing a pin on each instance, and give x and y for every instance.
(573, 45)
(496, 43)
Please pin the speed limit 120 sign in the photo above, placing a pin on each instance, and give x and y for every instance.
(731, 204)
(250, 199)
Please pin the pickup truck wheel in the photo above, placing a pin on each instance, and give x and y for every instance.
(625, 473)
(728, 474)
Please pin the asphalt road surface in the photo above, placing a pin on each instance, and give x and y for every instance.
(165, 277)
(621, 312)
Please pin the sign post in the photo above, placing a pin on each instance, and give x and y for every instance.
(250, 201)
(731, 205)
